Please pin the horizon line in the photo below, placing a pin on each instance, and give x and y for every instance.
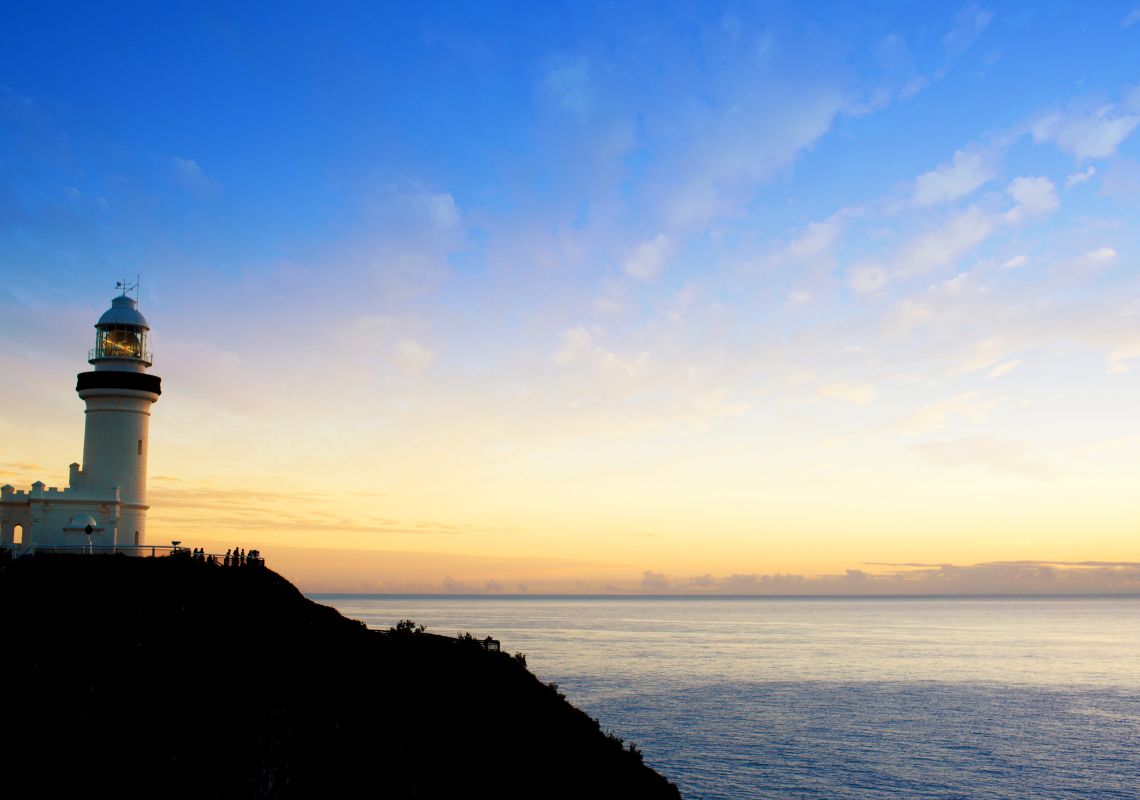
(617, 596)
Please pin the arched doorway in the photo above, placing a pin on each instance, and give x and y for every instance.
(18, 534)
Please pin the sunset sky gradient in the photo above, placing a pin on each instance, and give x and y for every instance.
(657, 298)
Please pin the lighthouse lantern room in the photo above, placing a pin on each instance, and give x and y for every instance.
(105, 502)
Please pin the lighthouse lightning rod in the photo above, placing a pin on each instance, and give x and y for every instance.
(126, 286)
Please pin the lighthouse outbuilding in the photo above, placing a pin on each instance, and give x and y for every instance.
(105, 501)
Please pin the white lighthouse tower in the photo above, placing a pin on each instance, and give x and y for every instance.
(105, 503)
(119, 394)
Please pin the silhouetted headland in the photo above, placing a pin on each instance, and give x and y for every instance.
(172, 677)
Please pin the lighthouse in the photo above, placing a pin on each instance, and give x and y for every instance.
(105, 504)
(118, 394)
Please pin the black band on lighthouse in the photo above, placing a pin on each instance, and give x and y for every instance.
(113, 379)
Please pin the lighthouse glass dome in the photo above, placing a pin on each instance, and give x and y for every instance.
(121, 333)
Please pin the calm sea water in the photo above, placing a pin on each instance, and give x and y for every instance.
(835, 698)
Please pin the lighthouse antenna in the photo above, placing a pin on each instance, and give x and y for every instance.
(126, 286)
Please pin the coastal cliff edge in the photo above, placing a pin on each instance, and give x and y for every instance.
(170, 677)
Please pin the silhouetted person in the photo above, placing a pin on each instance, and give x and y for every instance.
(227, 559)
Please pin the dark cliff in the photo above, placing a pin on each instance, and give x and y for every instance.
(173, 678)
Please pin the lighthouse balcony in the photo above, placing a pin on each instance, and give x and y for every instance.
(103, 354)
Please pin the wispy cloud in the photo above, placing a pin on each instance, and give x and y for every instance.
(193, 179)
(1087, 133)
(647, 259)
(860, 394)
(945, 244)
(968, 171)
(208, 511)
(1034, 197)
(971, 406)
(567, 82)
(999, 456)
(1003, 369)
(867, 278)
(1080, 177)
(970, 23)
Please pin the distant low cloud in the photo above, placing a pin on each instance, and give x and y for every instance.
(451, 585)
(374, 571)
(655, 581)
(913, 578)
(1029, 576)
(190, 176)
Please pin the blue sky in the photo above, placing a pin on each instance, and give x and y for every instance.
(679, 264)
(286, 120)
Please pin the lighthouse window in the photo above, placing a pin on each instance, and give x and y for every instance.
(120, 343)
(140, 447)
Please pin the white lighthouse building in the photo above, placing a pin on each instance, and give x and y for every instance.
(108, 493)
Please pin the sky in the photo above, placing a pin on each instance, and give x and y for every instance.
(594, 297)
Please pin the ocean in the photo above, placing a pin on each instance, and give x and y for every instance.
(741, 698)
